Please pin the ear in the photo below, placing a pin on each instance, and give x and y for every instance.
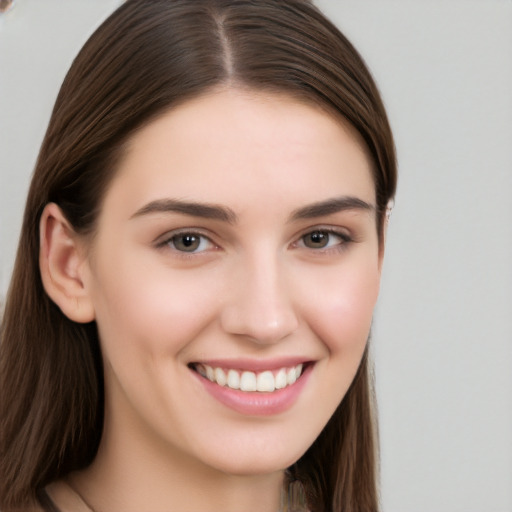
(62, 262)
(383, 237)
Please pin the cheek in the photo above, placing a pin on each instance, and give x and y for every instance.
(152, 312)
(340, 313)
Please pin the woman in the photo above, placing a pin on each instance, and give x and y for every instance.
(188, 320)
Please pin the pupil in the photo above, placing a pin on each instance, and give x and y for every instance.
(187, 243)
(318, 239)
(188, 240)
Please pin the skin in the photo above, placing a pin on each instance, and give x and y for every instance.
(255, 288)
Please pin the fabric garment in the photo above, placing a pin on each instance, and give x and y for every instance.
(63, 494)
(46, 502)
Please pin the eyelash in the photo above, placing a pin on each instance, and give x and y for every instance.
(344, 240)
(169, 241)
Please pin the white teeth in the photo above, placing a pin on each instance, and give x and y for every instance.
(291, 376)
(233, 379)
(266, 381)
(281, 379)
(248, 381)
(201, 370)
(220, 377)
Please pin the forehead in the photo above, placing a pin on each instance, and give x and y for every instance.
(231, 145)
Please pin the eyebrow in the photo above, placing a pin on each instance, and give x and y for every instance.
(224, 214)
(204, 210)
(331, 206)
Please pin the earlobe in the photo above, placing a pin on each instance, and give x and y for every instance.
(62, 263)
(385, 225)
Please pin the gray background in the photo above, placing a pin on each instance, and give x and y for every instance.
(443, 329)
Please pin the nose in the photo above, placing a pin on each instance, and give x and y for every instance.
(259, 303)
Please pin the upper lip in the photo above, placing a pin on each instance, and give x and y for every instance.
(255, 365)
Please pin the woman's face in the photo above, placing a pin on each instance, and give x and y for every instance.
(236, 247)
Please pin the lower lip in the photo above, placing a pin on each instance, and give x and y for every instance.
(257, 403)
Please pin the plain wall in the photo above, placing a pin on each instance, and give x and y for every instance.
(442, 336)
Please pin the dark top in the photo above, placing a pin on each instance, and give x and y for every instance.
(46, 502)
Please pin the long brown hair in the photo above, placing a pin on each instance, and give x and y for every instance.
(144, 59)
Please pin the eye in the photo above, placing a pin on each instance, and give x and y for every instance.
(323, 239)
(189, 242)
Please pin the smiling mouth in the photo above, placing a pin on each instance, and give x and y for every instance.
(266, 381)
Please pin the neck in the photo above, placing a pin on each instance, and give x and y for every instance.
(133, 491)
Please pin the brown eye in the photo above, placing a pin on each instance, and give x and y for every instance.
(323, 239)
(316, 239)
(188, 242)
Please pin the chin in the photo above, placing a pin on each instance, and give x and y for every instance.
(255, 462)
